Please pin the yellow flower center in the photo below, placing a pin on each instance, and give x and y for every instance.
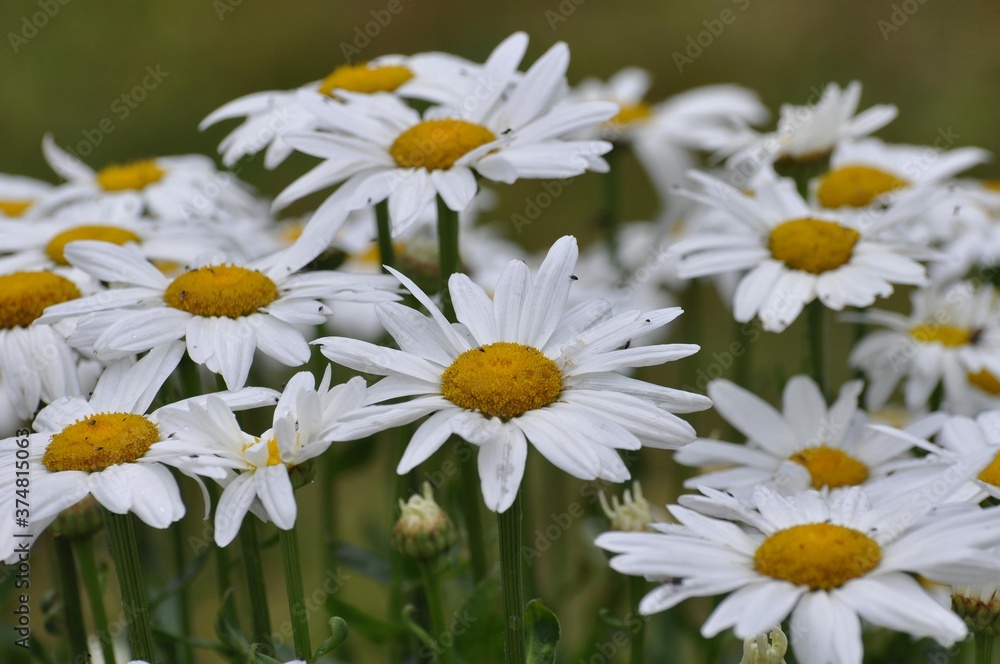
(819, 555)
(946, 335)
(113, 234)
(856, 186)
(992, 185)
(365, 79)
(438, 144)
(273, 453)
(14, 207)
(221, 290)
(98, 441)
(813, 245)
(830, 467)
(502, 380)
(133, 175)
(630, 113)
(985, 381)
(991, 473)
(25, 295)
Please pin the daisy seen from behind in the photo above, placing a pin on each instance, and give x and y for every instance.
(828, 561)
(520, 367)
(222, 309)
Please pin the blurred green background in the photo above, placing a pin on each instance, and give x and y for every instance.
(937, 61)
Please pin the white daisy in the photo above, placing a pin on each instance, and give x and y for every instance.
(380, 148)
(224, 310)
(19, 196)
(812, 131)
(516, 368)
(435, 77)
(106, 446)
(36, 363)
(795, 253)
(952, 337)
(868, 171)
(826, 561)
(40, 245)
(262, 463)
(181, 188)
(806, 445)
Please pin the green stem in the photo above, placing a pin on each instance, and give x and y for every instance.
(509, 524)
(611, 214)
(84, 549)
(121, 538)
(256, 588)
(984, 648)
(448, 256)
(469, 480)
(296, 594)
(815, 343)
(637, 588)
(222, 567)
(435, 606)
(183, 597)
(387, 253)
(69, 588)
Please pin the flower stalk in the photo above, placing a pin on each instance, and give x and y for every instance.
(125, 553)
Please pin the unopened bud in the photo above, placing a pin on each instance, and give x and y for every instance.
(423, 529)
(631, 514)
(758, 649)
(979, 607)
(79, 521)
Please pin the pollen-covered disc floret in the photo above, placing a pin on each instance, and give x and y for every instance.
(138, 174)
(98, 441)
(830, 467)
(25, 295)
(221, 290)
(856, 186)
(438, 144)
(113, 234)
(813, 245)
(502, 380)
(949, 336)
(822, 556)
(631, 113)
(365, 79)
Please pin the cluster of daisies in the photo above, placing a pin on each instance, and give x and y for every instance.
(134, 300)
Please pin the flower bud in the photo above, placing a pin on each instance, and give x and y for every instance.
(758, 649)
(979, 607)
(79, 521)
(632, 514)
(423, 529)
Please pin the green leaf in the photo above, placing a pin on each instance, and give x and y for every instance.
(338, 627)
(254, 657)
(542, 631)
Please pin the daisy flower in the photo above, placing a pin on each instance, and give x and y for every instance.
(808, 133)
(795, 254)
(255, 470)
(828, 561)
(806, 445)
(952, 337)
(36, 363)
(224, 310)
(40, 245)
(107, 447)
(868, 171)
(379, 148)
(434, 77)
(19, 195)
(516, 368)
(166, 188)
